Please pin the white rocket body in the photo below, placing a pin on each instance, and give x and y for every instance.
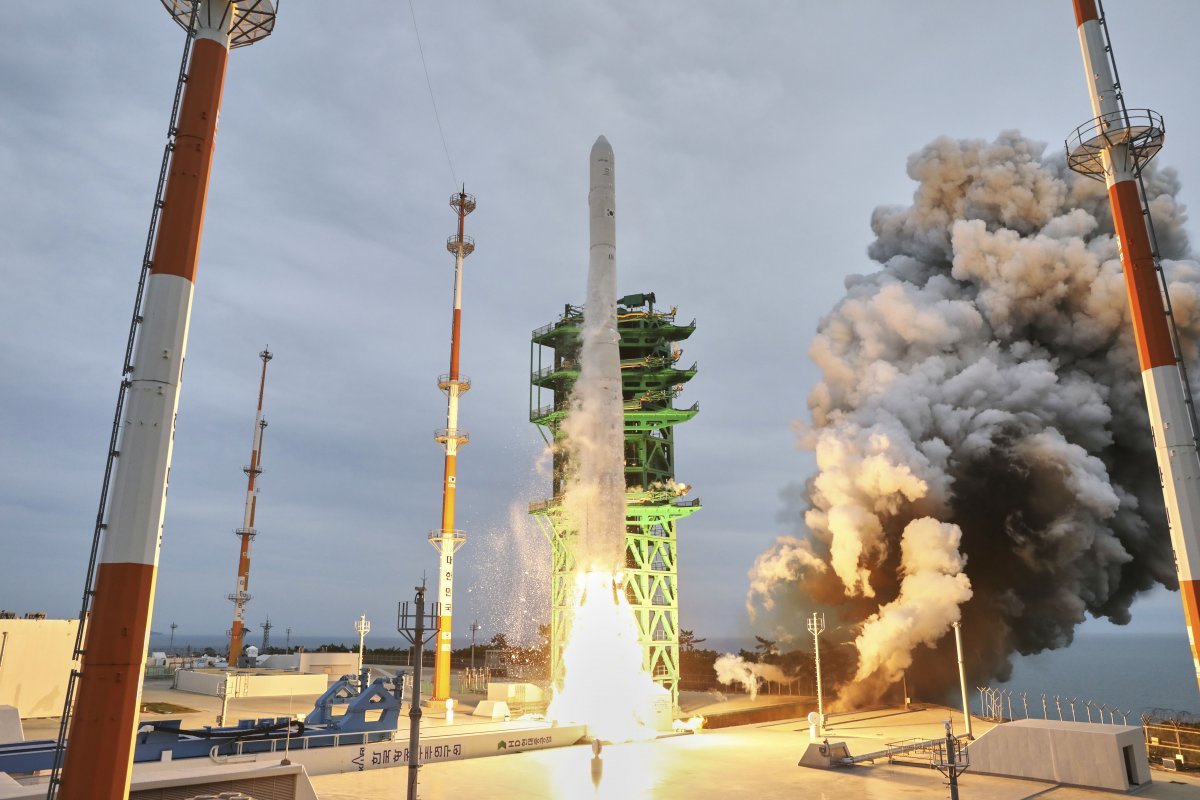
(597, 422)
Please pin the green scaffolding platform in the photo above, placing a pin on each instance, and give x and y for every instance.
(651, 378)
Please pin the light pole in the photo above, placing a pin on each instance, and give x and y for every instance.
(171, 646)
(474, 630)
(363, 626)
(962, 677)
(816, 627)
(287, 643)
(412, 627)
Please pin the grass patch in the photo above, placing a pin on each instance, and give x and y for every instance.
(166, 708)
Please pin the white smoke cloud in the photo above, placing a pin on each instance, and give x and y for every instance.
(931, 591)
(733, 669)
(980, 432)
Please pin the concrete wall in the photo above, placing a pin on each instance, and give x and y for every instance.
(249, 683)
(1075, 753)
(333, 664)
(35, 664)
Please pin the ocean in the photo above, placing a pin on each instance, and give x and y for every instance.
(1135, 672)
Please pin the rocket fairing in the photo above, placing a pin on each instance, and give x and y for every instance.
(99, 755)
(1115, 145)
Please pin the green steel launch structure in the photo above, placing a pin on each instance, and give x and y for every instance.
(651, 379)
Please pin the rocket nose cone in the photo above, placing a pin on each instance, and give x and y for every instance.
(601, 146)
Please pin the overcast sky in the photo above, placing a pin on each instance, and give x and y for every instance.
(752, 141)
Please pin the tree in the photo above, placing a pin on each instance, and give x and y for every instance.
(499, 642)
(767, 647)
(688, 640)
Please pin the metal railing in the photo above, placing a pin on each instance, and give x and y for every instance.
(1141, 130)
(1004, 705)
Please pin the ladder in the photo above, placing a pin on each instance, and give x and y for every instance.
(113, 452)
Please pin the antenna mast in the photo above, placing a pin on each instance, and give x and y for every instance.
(447, 540)
(1114, 146)
(237, 633)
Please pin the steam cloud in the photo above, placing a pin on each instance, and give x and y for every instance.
(732, 669)
(980, 430)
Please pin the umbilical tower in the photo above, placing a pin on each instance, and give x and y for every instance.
(650, 381)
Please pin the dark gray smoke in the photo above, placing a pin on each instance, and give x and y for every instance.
(980, 432)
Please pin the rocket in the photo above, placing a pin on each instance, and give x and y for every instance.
(99, 755)
(599, 440)
(1115, 145)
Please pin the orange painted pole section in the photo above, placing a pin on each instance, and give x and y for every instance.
(99, 754)
(247, 532)
(447, 541)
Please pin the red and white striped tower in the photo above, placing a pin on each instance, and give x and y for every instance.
(247, 532)
(1114, 146)
(447, 540)
(99, 754)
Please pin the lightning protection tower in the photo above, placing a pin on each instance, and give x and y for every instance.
(1114, 146)
(650, 381)
(246, 533)
(118, 595)
(447, 540)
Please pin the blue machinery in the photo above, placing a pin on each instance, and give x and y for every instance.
(344, 714)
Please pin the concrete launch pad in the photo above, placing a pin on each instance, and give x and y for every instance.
(749, 761)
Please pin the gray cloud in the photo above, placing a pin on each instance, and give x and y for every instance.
(754, 144)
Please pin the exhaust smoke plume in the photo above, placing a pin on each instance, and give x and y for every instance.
(980, 431)
(732, 669)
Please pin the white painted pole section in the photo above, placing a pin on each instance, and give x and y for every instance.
(138, 502)
(446, 573)
(1178, 463)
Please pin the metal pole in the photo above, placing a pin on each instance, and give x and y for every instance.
(414, 705)
(99, 760)
(962, 676)
(1111, 147)
(224, 689)
(363, 627)
(247, 532)
(815, 626)
(417, 635)
(447, 540)
(951, 772)
(474, 630)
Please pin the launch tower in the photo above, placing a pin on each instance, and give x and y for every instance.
(650, 381)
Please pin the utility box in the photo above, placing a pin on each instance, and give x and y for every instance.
(1096, 756)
